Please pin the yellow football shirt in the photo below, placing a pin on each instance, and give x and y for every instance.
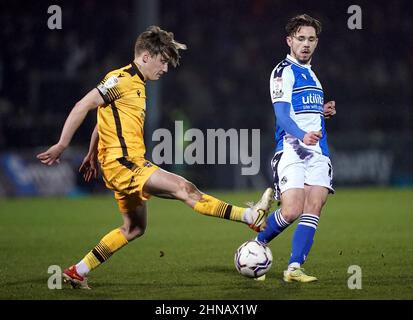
(121, 118)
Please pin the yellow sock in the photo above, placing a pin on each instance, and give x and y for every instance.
(109, 244)
(211, 206)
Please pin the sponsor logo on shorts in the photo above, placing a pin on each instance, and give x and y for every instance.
(283, 180)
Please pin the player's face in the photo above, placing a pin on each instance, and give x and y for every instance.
(303, 44)
(157, 66)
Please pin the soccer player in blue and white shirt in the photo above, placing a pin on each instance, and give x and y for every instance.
(301, 164)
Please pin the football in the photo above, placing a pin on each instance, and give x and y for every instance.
(253, 259)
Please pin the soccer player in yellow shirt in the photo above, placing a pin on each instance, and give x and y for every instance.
(117, 142)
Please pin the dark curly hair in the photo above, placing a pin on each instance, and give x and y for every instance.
(302, 20)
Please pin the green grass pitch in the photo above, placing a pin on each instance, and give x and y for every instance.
(184, 255)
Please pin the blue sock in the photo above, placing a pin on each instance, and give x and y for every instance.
(303, 237)
(275, 225)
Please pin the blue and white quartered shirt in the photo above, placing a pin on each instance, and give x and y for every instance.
(297, 84)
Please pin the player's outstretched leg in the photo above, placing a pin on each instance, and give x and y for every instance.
(255, 216)
(169, 185)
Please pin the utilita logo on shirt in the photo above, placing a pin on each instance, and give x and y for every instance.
(313, 98)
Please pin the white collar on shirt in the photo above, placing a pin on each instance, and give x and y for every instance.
(294, 60)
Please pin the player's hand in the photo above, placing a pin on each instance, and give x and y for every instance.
(52, 155)
(89, 167)
(329, 109)
(311, 138)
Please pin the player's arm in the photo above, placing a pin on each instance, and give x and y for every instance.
(90, 101)
(94, 139)
(89, 166)
(282, 112)
(329, 109)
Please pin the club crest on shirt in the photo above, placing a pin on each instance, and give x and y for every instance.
(277, 85)
(147, 164)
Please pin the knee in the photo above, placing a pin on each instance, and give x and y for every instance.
(290, 214)
(187, 186)
(187, 189)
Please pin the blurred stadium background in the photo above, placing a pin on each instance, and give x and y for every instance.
(233, 46)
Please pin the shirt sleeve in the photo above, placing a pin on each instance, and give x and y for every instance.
(111, 87)
(282, 113)
(281, 84)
